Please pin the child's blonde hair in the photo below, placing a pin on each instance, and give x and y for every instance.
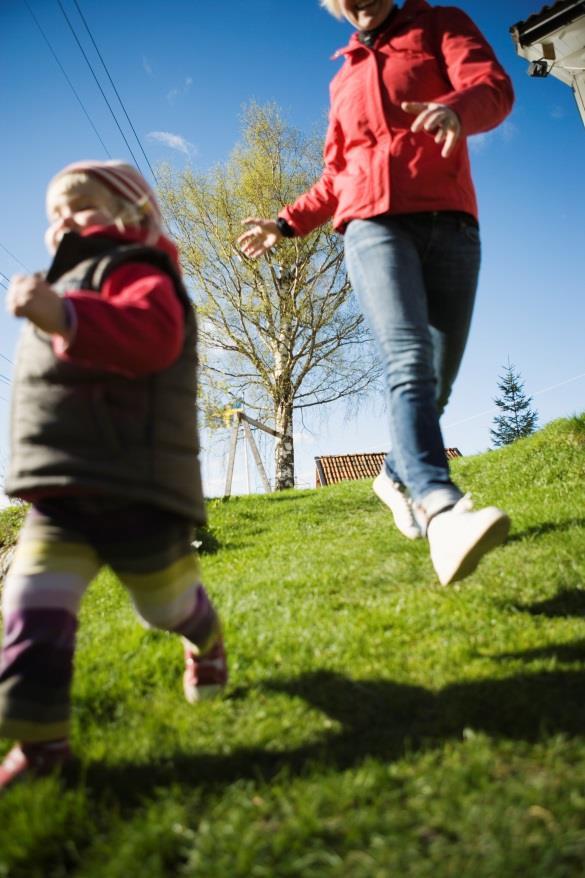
(332, 6)
(113, 187)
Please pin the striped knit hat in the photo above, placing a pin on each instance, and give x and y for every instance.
(125, 183)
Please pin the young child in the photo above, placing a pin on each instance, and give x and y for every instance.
(104, 446)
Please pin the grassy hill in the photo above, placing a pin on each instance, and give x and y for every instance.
(376, 724)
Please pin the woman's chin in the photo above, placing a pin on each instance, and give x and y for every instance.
(369, 22)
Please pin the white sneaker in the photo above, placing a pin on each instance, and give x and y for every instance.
(395, 497)
(460, 537)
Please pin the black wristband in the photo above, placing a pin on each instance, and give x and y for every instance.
(283, 227)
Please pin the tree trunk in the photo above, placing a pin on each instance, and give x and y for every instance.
(284, 451)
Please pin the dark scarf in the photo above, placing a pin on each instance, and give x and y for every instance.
(369, 37)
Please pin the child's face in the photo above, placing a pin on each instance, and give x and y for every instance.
(72, 213)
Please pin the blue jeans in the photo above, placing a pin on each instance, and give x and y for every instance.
(415, 277)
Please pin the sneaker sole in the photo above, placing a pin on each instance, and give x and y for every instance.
(493, 536)
(413, 533)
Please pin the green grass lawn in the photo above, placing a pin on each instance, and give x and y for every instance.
(376, 725)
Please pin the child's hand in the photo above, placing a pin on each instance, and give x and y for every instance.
(30, 296)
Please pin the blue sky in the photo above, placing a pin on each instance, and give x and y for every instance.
(185, 69)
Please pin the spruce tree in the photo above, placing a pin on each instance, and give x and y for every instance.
(518, 419)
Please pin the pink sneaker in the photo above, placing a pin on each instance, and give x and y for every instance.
(205, 675)
(33, 760)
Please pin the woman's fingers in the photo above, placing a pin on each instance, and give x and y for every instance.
(246, 238)
(430, 118)
(252, 246)
(259, 238)
(437, 119)
(250, 233)
(417, 109)
(252, 251)
(451, 139)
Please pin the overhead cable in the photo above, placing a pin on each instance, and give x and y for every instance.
(114, 88)
(70, 84)
(98, 83)
(537, 393)
(12, 256)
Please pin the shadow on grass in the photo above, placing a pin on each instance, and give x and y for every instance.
(278, 497)
(538, 530)
(208, 544)
(563, 652)
(378, 719)
(566, 603)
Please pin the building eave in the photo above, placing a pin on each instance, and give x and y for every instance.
(546, 22)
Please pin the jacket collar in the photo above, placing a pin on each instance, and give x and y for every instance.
(406, 13)
(75, 248)
(96, 241)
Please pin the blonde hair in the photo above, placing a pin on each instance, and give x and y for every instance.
(78, 184)
(332, 6)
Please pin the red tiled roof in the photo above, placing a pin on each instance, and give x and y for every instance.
(334, 468)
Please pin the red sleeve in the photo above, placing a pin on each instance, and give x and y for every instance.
(134, 327)
(319, 203)
(482, 94)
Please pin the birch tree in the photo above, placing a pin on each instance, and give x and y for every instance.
(282, 333)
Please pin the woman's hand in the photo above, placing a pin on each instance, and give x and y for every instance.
(260, 237)
(31, 297)
(436, 117)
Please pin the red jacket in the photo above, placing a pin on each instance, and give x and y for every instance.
(374, 164)
(136, 326)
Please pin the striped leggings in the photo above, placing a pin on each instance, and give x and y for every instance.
(62, 546)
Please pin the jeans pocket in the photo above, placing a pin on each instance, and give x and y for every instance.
(470, 230)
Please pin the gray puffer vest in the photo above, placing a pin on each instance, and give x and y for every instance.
(90, 430)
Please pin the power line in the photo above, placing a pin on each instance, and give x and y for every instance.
(12, 256)
(114, 88)
(7, 360)
(538, 393)
(93, 73)
(71, 86)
